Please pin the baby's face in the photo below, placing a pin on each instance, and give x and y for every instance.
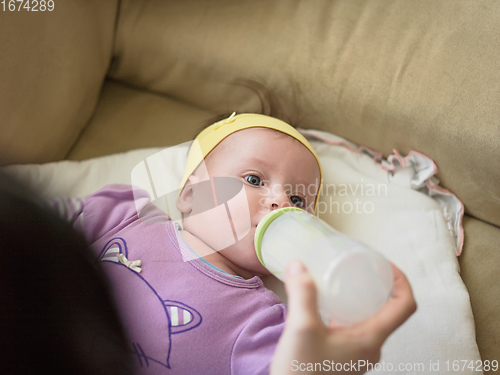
(276, 171)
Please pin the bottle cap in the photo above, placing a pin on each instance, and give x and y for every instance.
(264, 223)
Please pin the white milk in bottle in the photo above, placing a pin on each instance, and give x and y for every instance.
(353, 280)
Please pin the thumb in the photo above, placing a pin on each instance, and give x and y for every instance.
(302, 295)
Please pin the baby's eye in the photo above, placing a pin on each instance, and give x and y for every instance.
(297, 201)
(253, 180)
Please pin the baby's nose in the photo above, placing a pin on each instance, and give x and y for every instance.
(280, 201)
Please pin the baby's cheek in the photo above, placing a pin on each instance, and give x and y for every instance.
(258, 201)
(310, 206)
(240, 214)
(213, 227)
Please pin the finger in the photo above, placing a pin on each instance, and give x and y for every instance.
(395, 312)
(333, 324)
(302, 295)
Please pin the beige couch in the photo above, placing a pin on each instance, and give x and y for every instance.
(98, 77)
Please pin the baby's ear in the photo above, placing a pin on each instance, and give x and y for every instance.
(186, 197)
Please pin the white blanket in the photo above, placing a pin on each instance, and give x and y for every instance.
(394, 205)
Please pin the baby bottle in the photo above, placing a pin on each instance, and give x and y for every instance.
(353, 280)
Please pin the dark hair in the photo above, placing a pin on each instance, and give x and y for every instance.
(56, 313)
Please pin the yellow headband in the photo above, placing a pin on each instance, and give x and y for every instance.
(211, 136)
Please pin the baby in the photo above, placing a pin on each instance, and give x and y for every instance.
(191, 298)
(277, 168)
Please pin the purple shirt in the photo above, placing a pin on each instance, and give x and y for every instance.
(181, 317)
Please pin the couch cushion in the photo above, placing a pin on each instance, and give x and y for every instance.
(127, 119)
(52, 64)
(479, 270)
(420, 75)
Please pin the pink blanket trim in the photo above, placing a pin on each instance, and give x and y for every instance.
(378, 158)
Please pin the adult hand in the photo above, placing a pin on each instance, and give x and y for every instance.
(306, 339)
